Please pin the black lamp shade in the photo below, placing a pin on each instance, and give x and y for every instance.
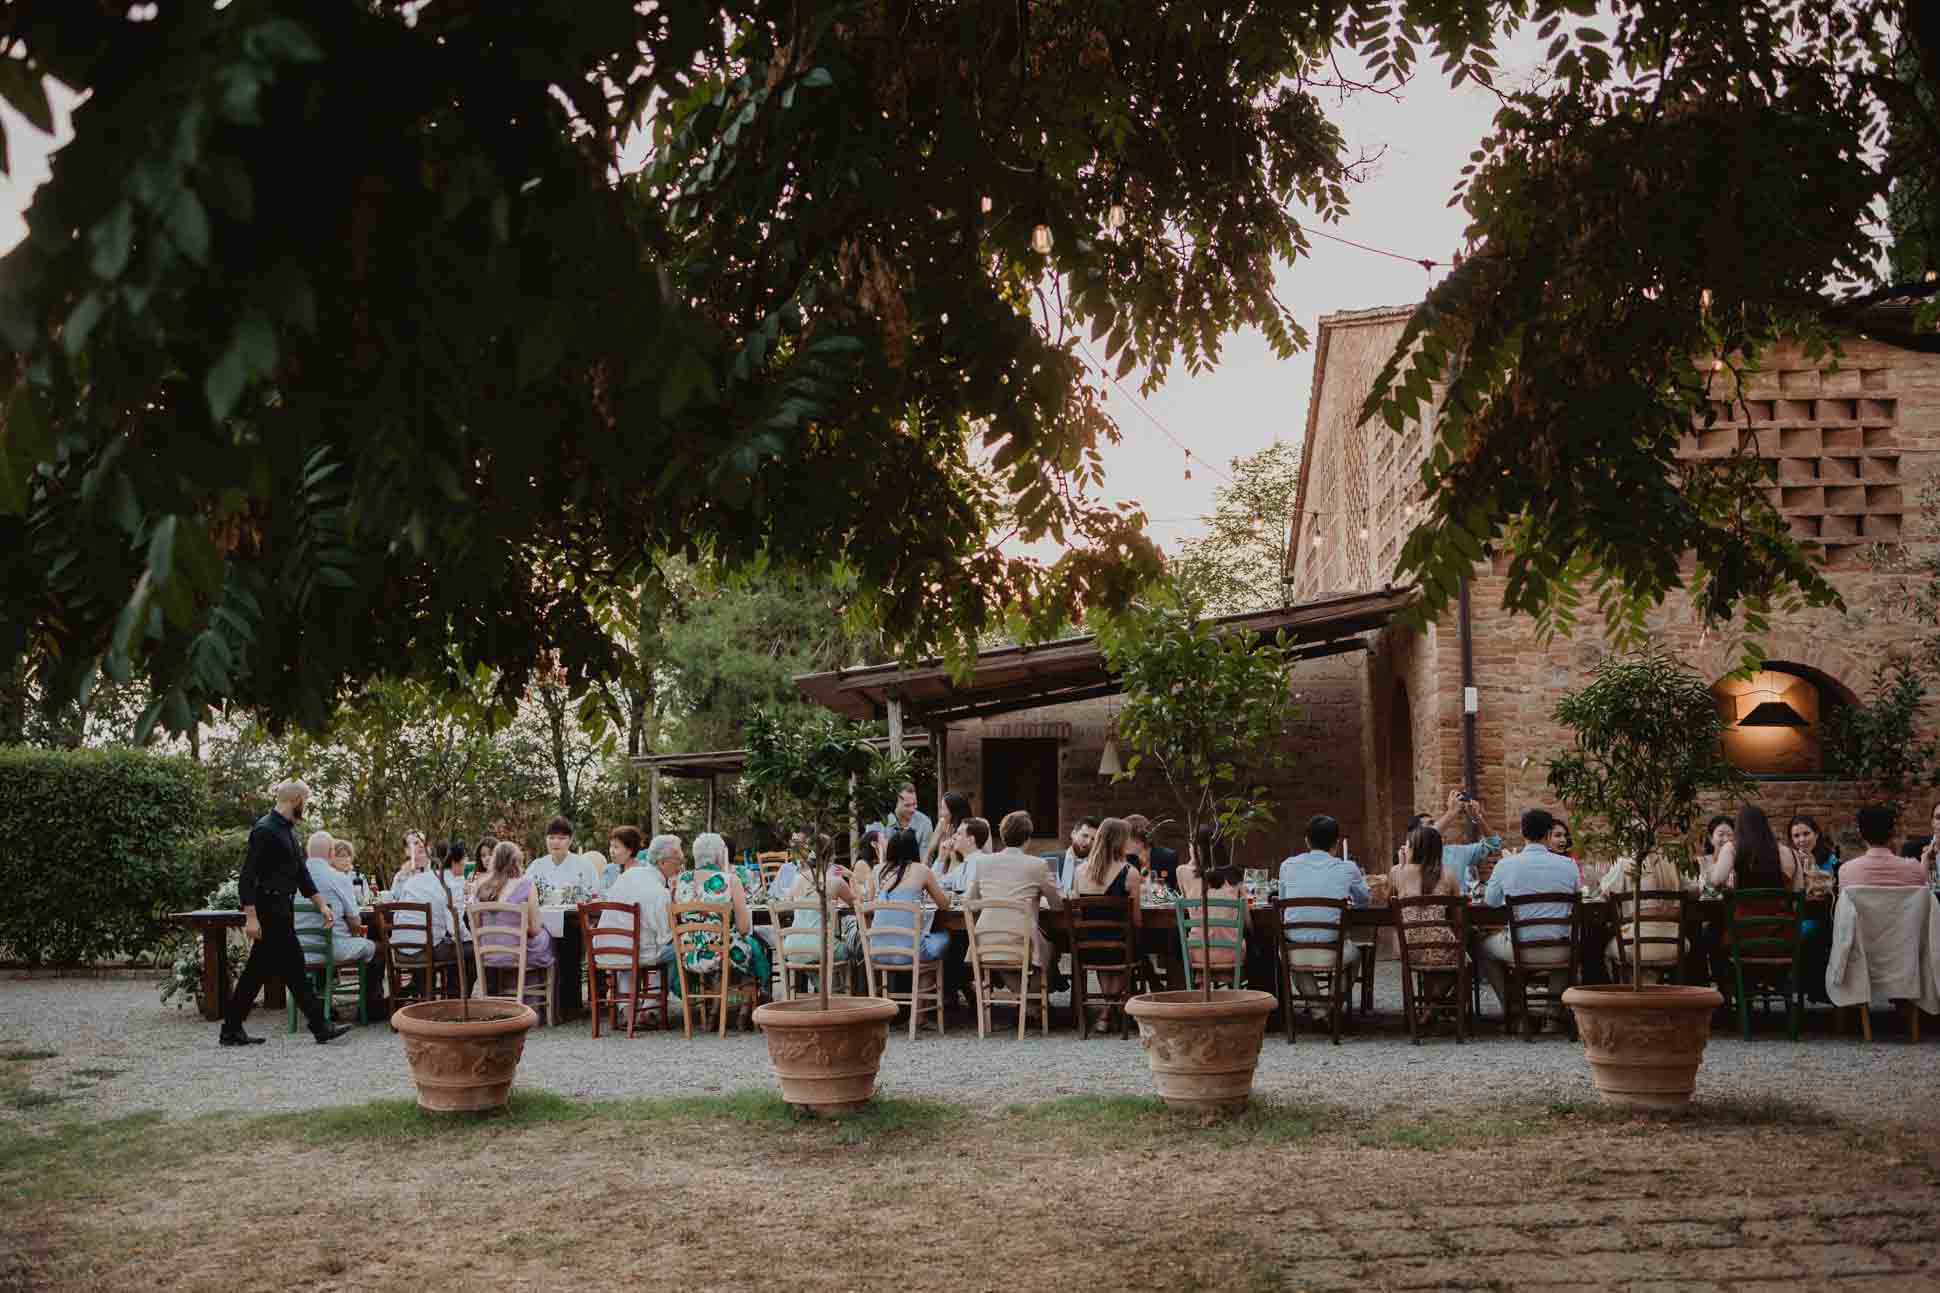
(1773, 713)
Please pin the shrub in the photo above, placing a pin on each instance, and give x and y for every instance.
(96, 854)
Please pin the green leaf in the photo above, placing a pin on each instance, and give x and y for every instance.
(80, 323)
(544, 343)
(223, 385)
(188, 226)
(256, 338)
(817, 78)
(284, 39)
(112, 241)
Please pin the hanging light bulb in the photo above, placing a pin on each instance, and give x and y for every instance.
(1704, 300)
(986, 206)
(1363, 534)
(1115, 218)
(1041, 240)
(1932, 275)
(1109, 764)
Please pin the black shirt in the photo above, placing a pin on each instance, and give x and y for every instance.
(273, 867)
(1164, 865)
(1915, 845)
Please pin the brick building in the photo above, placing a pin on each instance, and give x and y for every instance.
(1851, 445)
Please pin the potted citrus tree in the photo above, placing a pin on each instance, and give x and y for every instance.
(808, 776)
(1203, 706)
(1649, 742)
(463, 1054)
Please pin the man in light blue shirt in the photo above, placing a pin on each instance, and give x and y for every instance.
(1460, 860)
(1317, 873)
(909, 817)
(1534, 870)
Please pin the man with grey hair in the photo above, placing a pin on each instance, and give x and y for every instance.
(273, 874)
(647, 884)
(347, 941)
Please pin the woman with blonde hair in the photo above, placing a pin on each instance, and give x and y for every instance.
(1109, 873)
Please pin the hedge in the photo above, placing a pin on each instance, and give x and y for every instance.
(99, 846)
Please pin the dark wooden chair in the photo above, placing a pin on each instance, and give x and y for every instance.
(1762, 931)
(1661, 907)
(1541, 954)
(613, 950)
(416, 959)
(1318, 958)
(1429, 929)
(1103, 940)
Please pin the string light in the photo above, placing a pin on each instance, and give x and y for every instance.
(1115, 218)
(1041, 240)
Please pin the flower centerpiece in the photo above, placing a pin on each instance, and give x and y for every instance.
(1202, 703)
(816, 773)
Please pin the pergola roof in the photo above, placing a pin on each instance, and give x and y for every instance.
(1006, 679)
(704, 764)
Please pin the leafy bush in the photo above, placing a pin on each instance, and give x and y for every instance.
(1877, 740)
(97, 851)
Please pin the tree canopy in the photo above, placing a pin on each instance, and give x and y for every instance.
(349, 341)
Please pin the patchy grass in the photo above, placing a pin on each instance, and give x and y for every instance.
(396, 1121)
(62, 1159)
(1127, 1119)
(96, 1074)
(21, 1055)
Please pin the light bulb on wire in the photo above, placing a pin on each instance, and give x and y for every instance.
(1041, 240)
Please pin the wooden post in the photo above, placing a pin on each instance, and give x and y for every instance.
(712, 787)
(895, 727)
(855, 836)
(939, 750)
(653, 801)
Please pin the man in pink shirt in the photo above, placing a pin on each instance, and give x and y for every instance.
(1878, 865)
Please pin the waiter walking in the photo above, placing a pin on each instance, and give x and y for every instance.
(272, 874)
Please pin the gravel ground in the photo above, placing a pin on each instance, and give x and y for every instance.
(119, 1051)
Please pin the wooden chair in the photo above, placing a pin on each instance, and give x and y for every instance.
(771, 865)
(993, 951)
(501, 949)
(799, 962)
(1443, 917)
(417, 958)
(1661, 907)
(1320, 958)
(319, 961)
(1104, 940)
(903, 944)
(1228, 918)
(613, 950)
(1540, 954)
(1762, 930)
(695, 924)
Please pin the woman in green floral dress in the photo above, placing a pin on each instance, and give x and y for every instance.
(711, 879)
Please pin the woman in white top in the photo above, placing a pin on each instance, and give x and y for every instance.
(1660, 874)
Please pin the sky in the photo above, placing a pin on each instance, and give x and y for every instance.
(1251, 398)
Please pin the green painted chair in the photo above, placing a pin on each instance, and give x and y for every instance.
(320, 966)
(1763, 929)
(1227, 918)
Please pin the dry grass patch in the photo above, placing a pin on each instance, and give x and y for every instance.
(737, 1191)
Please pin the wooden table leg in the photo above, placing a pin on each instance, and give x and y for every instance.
(215, 971)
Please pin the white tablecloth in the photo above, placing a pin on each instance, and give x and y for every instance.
(555, 918)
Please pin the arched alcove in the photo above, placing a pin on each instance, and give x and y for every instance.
(1775, 718)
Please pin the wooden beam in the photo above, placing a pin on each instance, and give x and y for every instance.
(653, 802)
(713, 788)
(895, 727)
(939, 747)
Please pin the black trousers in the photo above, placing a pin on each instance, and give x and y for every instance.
(277, 954)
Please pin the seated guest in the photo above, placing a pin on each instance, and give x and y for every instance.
(1822, 872)
(416, 858)
(424, 885)
(1107, 872)
(455, 885)
(1752, 858)
(902, 877)
(803, 936)
(1563, 844)
(1209, 844)
(712, 879)
(560, 868)
(1717, 834)
(1160, 864)
(1419, 873)
(1082, 836)
(1460, 860)
(1317, 873)
(1926, 848)
(343, 859)
(508, 883)
(968, 847)
(1533, 869)
(643, 881)
(1007, 877)
(347, 939)
(1877, 865)
(1660, 873)
(950, 814)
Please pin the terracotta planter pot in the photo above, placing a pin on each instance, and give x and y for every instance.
(1202, 1053)
(1644, 1045)
(463, 1065)
(826, 1059)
